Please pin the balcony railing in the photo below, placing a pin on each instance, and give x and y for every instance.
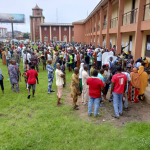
(129, 17)
(114, 22)
(147, 12)
(104, 25)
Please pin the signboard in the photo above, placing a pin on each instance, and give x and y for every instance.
(12, 18)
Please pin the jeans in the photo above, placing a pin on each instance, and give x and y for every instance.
(90, 105)
(7, 61)
(98, 65)
(117, 101)
(126, 101)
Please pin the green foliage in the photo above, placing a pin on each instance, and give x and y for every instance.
(26, 35)
(37, 124)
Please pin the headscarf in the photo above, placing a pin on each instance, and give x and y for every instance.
(141, 70)
(80, 71)
(135, 79)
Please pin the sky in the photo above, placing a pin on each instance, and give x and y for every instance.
(68, 10)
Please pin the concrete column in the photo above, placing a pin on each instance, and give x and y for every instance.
(69, 34)
(59, 33)
(40, 34)
(50, 30)
(101, 26)
(119, 35)
(109, 13)
(96, 30)
(139, 33)
(92, 30)
(31, 29)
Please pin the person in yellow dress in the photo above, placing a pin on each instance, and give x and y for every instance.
(75, 88)
(3, 57)
(144, 80)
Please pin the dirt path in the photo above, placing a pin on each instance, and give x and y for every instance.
(138, 112)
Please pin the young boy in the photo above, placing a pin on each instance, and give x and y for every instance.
(32, 76)
(1, 81)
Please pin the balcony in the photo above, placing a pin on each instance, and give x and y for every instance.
(104, 25)
(129, 17)
(147, 12)
(114, 22)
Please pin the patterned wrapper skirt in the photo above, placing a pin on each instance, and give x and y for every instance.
(133, 94)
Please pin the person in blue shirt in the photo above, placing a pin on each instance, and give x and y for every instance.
(99, 59)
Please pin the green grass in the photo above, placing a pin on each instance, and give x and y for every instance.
(36, 124)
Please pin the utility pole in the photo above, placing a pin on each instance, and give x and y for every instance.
(12, 31)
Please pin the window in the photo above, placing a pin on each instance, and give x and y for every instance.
(45, 28)
(72, 29)
(148, 46)
(45, 38)
(65, 29)
(37, 29)
(38, 20)
(65, 38)
(72, 39)
(55, 38)
(54, 28)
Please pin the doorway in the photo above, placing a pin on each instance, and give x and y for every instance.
(130, 43)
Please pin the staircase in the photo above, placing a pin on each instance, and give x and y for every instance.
(147, 94)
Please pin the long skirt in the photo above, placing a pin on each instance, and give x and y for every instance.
(4, 59)
(133, 94)
(80, 85)
(59, 91)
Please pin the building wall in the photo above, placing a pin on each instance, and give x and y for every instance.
(125, 40)
(113, 38)
(79, 33)
(114, 11)
(64, 33)
(45, 33)
(55, 33)
(72, 32)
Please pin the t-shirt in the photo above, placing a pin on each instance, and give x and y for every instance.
(31, 74)
(59, 79)
(119, 79)
(71, 58)
(95, 85)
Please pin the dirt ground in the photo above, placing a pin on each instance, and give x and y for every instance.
(138, 112)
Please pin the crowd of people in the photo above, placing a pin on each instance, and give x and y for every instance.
(120, 80)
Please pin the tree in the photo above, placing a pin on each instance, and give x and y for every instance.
(26, 35)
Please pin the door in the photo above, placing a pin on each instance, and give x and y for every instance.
(130, 43)
(147, 53)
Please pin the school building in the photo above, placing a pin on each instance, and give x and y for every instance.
(117, 22)
(44, 31)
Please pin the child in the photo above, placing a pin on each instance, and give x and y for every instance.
(1, 81)
(26, 68)
(63, 68)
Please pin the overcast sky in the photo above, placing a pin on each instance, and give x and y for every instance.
(68, 10)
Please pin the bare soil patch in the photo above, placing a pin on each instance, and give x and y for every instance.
(138, 112)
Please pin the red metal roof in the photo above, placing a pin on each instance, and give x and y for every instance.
(2, 28)
(20, 36)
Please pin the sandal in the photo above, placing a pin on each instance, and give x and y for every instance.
(117, 117)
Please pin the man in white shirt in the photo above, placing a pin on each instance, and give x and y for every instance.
(85, 91)
(24, 58)
(28, 56)
(59, 83)
(99, 58)
(75, 60)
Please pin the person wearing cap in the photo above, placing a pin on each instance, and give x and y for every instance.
(110, 62)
